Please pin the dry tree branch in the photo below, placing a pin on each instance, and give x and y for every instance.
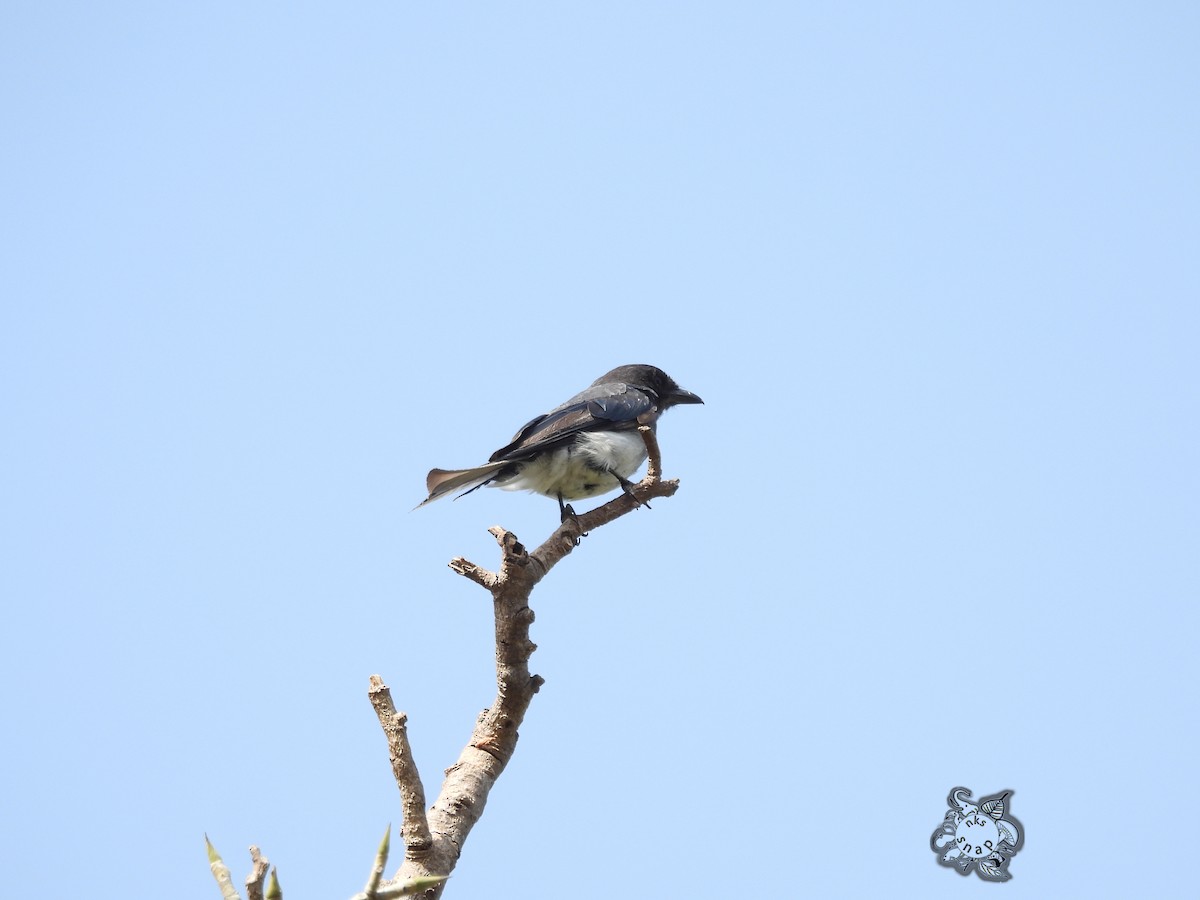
(433, 840)
(258, 874)
(469, 781)
(414, 830)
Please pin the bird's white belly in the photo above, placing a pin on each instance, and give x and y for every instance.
(583, 469)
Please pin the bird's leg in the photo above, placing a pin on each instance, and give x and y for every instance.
(567, 512)
(627, 486)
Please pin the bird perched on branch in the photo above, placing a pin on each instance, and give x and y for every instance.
(588, 446)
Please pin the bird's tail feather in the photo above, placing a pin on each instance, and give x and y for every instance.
(441, 482)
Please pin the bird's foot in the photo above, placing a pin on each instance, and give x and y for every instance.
(565, 510)
(567, 514)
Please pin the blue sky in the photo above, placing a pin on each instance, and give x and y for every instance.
(932, 267)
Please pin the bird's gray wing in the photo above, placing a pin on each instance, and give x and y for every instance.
(602, 406)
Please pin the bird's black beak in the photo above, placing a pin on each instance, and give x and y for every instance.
(679, 395)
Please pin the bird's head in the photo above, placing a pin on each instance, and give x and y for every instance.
(663, 385)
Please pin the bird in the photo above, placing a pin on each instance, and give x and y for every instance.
(585, 447)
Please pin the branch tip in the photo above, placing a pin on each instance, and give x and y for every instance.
(258, 874)
(477, 574)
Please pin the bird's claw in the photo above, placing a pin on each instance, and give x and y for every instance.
(567, 514)
(566, 511)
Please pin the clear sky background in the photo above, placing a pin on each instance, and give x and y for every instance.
(932, 266)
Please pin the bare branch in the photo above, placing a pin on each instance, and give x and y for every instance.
(258, 874)
(469, 781)
(433, 840)
(414, 830)
(477, 574)
(653, 454)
